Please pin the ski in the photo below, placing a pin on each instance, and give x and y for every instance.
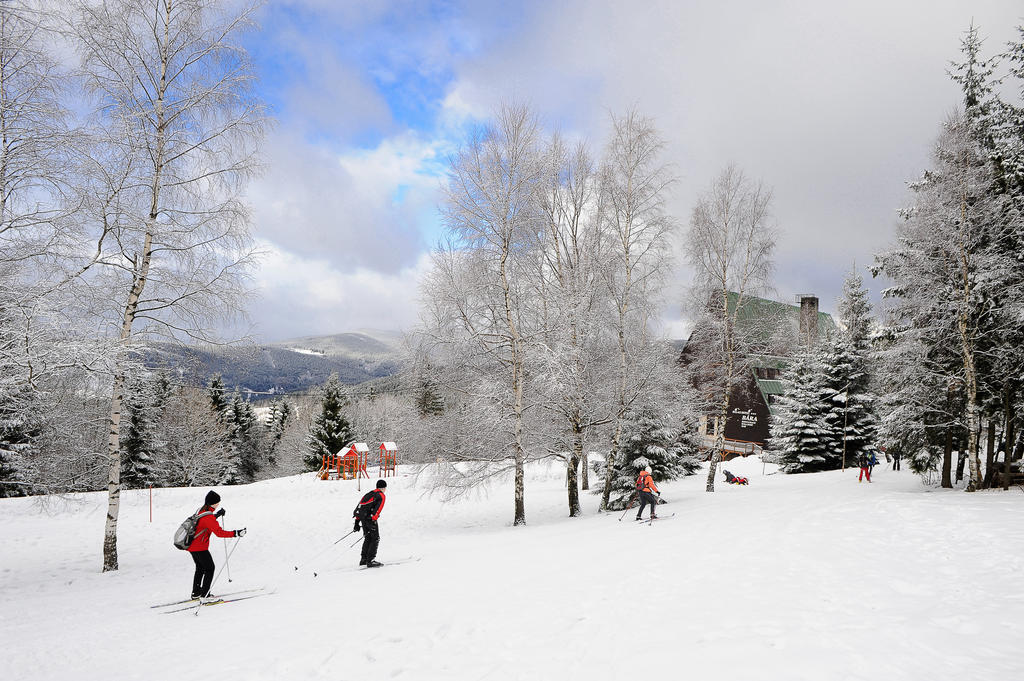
(410, 559)
(650, 521)
(193, 600)
(394, 562)
(218, 601)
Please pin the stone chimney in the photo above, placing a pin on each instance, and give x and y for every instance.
(808, 319)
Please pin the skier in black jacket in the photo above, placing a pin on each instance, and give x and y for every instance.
(366, 515)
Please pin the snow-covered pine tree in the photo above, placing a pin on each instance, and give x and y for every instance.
(849, 374)
(802, 439)
(215, 390)
(848, 402)
(277, 421)
(330, 430)
(855, 312)
(18, 425)
(951, 270)
(650, 438)
(17, 401)
(428, 397)
(240, 420)
(142, 406)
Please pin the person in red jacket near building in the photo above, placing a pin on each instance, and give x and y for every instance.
(646, 489)
(199, 549)
(366, 515)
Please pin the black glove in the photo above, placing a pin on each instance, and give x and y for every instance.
(240, 533)
(355, 527)
(220, 513)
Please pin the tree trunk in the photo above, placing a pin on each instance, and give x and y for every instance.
(572, 483)
(961, 459)
(609, 469)
(572, 479)
(947, 459)
(520, 496)
(585, 472)
(990, 452)
(1010, 434)
(973, 432)
(113, 476)
(609, 473)
(716, 455)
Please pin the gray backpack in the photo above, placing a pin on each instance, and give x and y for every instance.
(186, 532)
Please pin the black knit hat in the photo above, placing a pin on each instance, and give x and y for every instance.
(382, 483)
(212, 498)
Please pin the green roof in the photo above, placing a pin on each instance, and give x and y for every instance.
(770, 386)
(771, 361)
(756, 309)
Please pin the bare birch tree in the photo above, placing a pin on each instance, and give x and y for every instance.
(478, 296)
(178, 130)
(729, 245)
(634, 185)
(34, 139)
(575, 349)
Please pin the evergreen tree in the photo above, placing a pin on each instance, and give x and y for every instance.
(142, 405)
(428, 399)
(19, 407)
(330, 430)
(855, 312)
(19, 424)
(650, 439)
(802, 439)
(850, 377)
(244, 439)
(277, 422)
(848, 402)
(215, 390)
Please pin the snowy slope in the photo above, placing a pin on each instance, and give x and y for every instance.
(794, 577)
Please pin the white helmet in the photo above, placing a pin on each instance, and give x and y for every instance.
(647, 468)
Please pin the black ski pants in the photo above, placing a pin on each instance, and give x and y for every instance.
(647, 498)
(896, 462)
(371, 539)
(204, 573)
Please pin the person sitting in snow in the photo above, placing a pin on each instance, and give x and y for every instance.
(366, 515)
(646, 489)
(199, 549)
(865, 467)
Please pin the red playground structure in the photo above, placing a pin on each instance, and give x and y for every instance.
(353, 461)
(388, 458)
(348, 464)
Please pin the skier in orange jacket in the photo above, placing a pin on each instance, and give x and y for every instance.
(646, 489)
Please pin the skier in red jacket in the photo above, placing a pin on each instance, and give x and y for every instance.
(366, 514)
(199, 549)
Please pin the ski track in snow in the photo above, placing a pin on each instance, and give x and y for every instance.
(792, 577)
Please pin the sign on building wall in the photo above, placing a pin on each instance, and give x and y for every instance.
(748, 419)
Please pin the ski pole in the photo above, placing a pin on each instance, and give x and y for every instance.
(217, 576)
(316, 574)
(323, 550)
(227, 563)
(631, 499)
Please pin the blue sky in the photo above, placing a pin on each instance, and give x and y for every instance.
(835, 105)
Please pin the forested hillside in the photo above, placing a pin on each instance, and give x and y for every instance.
(285, 367)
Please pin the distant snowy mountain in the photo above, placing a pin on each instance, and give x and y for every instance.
(286, 366)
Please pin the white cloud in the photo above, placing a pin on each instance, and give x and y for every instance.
(834, 105)
(366, 209)
(300, 296)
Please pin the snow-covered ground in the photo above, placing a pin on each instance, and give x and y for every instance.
(793, 577)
